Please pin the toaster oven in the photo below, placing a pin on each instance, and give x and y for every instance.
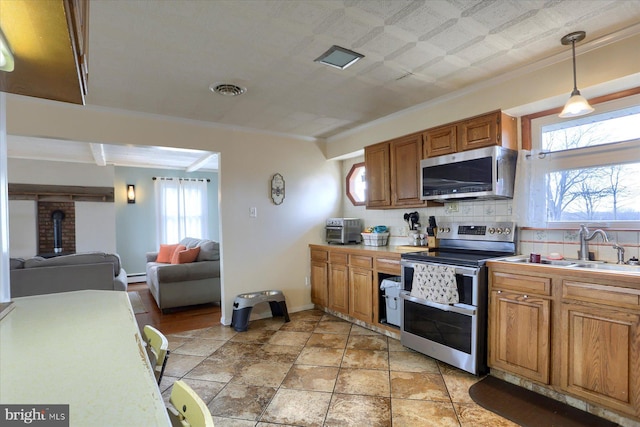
(343, 230)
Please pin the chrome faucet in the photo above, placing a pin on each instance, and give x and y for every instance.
(620, 250)
(585, 236)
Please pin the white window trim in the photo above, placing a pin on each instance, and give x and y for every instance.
(592, 156)
(180, 203)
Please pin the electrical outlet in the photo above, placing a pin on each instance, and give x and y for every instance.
(307, 283)
(253, 212)
(453, 207)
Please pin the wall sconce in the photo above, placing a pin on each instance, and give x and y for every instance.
(577, 105)
(131, 193)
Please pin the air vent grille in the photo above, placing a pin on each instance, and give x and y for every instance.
(227, 89)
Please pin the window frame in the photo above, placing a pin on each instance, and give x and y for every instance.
(569, 159)
(354, 170)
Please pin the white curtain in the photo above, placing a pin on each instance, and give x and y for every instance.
(181, 209)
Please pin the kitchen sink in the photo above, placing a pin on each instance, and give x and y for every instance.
(576, 263)
(563, 262)
(609, 267)
(559, 262)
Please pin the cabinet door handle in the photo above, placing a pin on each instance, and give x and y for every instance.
(499, 292)
(525, 296)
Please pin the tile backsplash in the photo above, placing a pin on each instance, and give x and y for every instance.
(538, 240)
(567, 243)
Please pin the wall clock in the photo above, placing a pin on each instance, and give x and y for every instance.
(277, 189)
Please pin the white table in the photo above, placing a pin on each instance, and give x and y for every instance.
(83, 349)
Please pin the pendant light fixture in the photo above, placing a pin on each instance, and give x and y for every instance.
(577, 105)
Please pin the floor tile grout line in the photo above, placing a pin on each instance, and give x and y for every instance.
(192, 337)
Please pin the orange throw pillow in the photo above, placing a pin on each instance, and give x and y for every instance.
(174, 257)
(166, 252)
(186, 256)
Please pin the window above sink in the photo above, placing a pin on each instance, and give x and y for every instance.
(584, 170)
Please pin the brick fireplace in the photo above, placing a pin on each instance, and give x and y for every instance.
(46, 243)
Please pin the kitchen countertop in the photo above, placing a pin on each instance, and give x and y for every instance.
(81, 349)
(628, 278)
(392, 250)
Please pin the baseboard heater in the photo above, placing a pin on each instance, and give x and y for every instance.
(136, 278)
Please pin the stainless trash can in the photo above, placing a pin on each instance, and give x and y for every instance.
(391, 288)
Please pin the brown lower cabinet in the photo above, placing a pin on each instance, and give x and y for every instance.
(349, 277)
(573, 332)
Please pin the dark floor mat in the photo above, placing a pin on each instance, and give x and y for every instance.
(530, 409)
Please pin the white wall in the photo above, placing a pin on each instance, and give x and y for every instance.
(22, 171)
(23, 232)
(267, 252)
(95, 227)
(95, 221)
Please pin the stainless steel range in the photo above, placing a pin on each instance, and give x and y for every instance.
(454, 332)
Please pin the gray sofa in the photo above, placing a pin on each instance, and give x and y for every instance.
(179, 285)
(92, 270)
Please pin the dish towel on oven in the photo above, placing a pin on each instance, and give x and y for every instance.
(435, 283)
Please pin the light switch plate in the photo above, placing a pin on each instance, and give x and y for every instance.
(253, 212)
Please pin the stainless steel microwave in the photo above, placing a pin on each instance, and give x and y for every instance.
(484, 173)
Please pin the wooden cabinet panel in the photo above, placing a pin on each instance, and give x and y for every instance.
(521, 283)
(495, 128)
(339, 288)
(601, 294)
(479, 132)
(317, 255)
(439, 141)
(376, 158)
(406, 153)
(338, 258)
(388, 265)
(601, 356)
(520, 329)
(319, 283)
(361, 261)
(361, 294)
(593, 351)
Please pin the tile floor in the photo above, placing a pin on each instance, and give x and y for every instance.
(319, 370)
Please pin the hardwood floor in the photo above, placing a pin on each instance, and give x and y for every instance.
(178, 320)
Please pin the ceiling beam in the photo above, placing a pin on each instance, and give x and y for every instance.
(200, 162)
(98, 154)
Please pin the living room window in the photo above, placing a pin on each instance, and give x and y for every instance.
(181, 209)
(585, 170)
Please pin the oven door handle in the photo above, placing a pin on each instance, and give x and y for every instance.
(463, 271)
(405, 295)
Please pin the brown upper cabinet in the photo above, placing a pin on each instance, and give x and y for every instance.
(495, 128)
(440, 140)
(406, 153)
(393, 167)
(376, 164)
(50, 43)
(392, 170)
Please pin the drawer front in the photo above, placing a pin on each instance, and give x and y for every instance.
(338, 258)
(521, 283)
(601, 294)
(318, 255)
(361, 261)
(388, 265)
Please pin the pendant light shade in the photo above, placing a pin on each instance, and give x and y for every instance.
(577, 105)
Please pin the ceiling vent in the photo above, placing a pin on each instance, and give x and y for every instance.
(339, 57)
(227, 89)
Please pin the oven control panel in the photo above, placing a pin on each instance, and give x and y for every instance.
(496, 231)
